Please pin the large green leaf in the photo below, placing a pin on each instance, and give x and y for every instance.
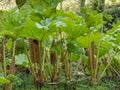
(44, 24)
(12, 24)
(113, 40)
(31, 31)
(104, 48)
(84, 41)
(38, 30)
(93, 19)
(44, 4)
(44, 7)
(71, 23)
(74, 30)
(107, 44)
(21, 60)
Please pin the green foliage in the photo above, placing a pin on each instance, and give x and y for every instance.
(45, 8)
(105, 48)
(115, 28)
(92, 18)
(83, 41)
(114, 11)
(116, 62)
(21, 60)
(39, 20)
(44, 4)
(3, 81)
(20, 47)
(14, 80)
(74, 25)
(107, 17)
(11, 78)
(9, 45)
(31, 31)
(12, 24)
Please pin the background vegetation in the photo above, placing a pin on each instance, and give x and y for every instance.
(59, 44)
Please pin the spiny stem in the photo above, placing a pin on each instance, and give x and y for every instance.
(43, 55)
(40, 54)
(12, 66)
(4, 58)
(4, 62)
(90, 56)
(96, 68)
(30, 62)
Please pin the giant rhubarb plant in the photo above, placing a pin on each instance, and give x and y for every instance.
(37, 30)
